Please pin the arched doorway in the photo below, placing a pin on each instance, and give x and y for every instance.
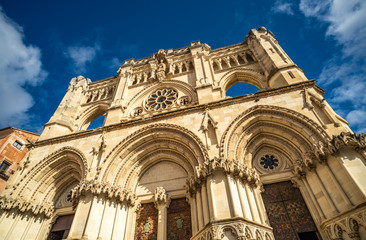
(287, 212)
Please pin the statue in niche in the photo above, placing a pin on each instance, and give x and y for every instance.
(160, 73)
(161, 66)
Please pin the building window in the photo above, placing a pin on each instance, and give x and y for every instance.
(269, 161)
(291, 74)
(3, 166)
(18, 145)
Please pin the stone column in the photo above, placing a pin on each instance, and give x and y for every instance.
(120, 221)
(81, 216)
(162, 201)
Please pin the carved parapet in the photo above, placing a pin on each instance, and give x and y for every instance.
(348, 224)
(238, 228)
(235, 169)
(36, 208)
(109, 191)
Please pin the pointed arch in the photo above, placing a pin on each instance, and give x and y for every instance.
(46, 181)
(293, 132)
(242, 74)
(90, 114)
(148, 146)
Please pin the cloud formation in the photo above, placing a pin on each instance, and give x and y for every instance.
(283, 7)
(81, 56)
(20, 65)
(345, 72)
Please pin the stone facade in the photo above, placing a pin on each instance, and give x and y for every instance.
(171, 133)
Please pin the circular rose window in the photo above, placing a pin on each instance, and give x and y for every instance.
(161, 99)
(269, 161)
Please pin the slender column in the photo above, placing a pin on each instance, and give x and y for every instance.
(120, 221)
(13, 224)
(162, 201)
(244, 200)
(206, 214)
(235, 202)
(314, 200)
(194, 214)
(94, 219)
(7, 222)
(81, 216)
(263, 209)
(339, 186)
(34, 229)
(326, 193)
(108, 219)
(211, 198)
(31, 219)
(259, 206)
(252, 205)
(199, 209)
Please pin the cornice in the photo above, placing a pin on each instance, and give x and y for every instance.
(189, 109)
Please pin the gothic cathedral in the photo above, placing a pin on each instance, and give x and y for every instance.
(176, 158)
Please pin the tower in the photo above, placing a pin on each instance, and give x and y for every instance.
(178, 159)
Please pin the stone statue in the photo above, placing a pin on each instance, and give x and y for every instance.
(160, 72)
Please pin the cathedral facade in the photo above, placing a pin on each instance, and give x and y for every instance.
(176, 158)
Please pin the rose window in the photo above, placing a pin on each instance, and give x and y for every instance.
(269, 161)
(161, 99)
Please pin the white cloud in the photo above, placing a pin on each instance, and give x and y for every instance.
(283, 7)
(346, 21)
(356, 117)
(20, 64)
(81, 56)
(314, 8)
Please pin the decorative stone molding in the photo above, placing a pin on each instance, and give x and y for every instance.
(348, 224)
(236, 169)
(97, 188)
(113, 154)
(319, 152)
(347, 139)
(240, 229)
(36, 208)
(317, 130)
(37, 168)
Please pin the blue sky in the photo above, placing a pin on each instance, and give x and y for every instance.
(43, 44)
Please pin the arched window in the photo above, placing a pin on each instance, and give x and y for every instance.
(239, 89)
(96, 123)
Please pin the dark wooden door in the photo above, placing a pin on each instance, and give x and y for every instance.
(288, 213)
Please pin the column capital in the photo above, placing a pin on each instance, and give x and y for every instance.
(162, 199)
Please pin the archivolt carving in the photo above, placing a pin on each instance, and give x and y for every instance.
(314, 133)
(77, 157)
(242, 75)
(154, 129)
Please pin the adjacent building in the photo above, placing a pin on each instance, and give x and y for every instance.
(176, 158)
(12, 150)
